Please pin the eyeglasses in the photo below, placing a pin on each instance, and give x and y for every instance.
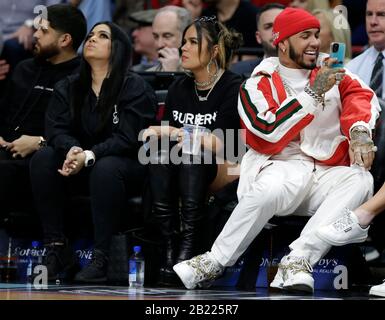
(206, 19)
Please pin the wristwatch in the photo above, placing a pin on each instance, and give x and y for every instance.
(90, 158)
(42, 142)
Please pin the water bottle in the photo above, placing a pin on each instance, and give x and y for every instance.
(9, 270)
(136, 269)
(34, 259)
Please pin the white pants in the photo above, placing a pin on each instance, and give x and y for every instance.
(290, 187)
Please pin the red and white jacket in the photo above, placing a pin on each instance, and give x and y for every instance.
(272, 120)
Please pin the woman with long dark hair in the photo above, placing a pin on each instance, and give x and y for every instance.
(207, 98)
(92, 125)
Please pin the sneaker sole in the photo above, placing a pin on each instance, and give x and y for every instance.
(376, 293)
(178, 268)
(335, 243)
(205, 284)
(299, 288)
(276, 286)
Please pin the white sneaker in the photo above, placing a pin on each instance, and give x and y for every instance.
(378, 290)
(344, 230)
(297, 275)
(278, 279)
(201, 270)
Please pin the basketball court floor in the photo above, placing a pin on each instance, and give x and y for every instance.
(10, 291)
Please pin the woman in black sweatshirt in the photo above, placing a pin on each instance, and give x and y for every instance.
(92, 126)
(207, 98)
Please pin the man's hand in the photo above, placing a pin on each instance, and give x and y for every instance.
(327, 77)
(4, 69)
(362, 148)
(24, 35)
(24, 146)
(3, 143)
(169, 58)
(74, 162)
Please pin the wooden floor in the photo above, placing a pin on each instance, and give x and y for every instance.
(75, 292)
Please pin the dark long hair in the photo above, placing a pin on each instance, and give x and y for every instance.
(112, 84)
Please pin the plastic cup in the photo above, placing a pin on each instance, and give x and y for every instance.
(192, 139)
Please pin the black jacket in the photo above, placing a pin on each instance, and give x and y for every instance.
(22, 109)
(136, 108)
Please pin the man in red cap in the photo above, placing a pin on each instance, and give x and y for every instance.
(309, 133)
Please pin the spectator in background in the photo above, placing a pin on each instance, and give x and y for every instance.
(239, 15)
(261, 3)
(310, 5)
(17, 18)
(167, 28)
(143, 40)
(4, 66)
(92, 126)
(195, 7)
(372, 58)
(29, 90)
(356, 16)
(123, 10)
(264, 36)
(329, 33)
(94, 10)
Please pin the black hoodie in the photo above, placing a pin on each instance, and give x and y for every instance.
(136, 110)
(22, 109)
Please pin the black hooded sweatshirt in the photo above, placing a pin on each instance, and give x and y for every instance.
(23, 106)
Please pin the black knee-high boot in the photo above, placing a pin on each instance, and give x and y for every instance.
(164, 207)
(193, 182)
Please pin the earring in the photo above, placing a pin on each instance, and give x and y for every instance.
(216, 67)
(209, 65)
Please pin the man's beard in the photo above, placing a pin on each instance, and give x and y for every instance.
(269, 50)
(298, 59)
(45, 53)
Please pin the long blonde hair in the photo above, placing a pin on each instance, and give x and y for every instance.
(317, 4)
(340, 34)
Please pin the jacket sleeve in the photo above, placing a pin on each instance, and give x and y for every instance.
(137, 110)
(359, 104)
(11, 99)
(271, 125)
(4, 110)
(58, 123)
